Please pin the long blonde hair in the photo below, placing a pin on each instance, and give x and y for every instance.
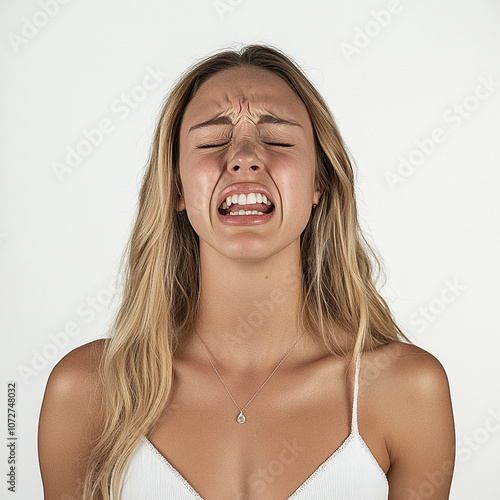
(161, 285)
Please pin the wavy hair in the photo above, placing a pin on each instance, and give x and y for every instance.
(161, 277)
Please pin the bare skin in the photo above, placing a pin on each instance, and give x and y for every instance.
(404, 407)
(404, 416)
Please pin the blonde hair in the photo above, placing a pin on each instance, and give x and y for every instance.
(161, 286)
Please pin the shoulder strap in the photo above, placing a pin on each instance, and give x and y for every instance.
(354, 422)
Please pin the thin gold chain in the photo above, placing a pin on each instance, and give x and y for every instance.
(259, 389)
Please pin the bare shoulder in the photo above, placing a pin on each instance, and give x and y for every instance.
(75, 378)
(403, 379)
(81, 361)
(70, 419)
(401, 365)
(407, 391)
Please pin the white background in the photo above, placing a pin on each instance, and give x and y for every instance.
(61, 236)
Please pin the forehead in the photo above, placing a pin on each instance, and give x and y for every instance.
(245, 91)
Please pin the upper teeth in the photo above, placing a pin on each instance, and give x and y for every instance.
(246, 199)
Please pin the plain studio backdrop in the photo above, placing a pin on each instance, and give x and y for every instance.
(415, 89)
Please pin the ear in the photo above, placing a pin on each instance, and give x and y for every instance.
(180, 205)
(317, 196)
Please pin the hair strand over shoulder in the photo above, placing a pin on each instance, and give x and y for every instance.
(161, 279)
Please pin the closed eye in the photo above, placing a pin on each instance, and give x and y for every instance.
(278, 144)
(281, 144)
(206, 146)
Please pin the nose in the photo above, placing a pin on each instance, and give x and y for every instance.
(245, 157)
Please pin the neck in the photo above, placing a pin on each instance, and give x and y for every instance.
(249, 312)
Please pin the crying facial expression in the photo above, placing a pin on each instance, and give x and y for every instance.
(247, 125)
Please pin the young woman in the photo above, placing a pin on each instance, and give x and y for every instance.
(252, 356)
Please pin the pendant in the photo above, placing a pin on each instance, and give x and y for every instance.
(241, 418)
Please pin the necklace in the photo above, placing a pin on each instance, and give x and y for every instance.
(241, 418)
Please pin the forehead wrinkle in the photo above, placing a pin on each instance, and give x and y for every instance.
(258, 116)
(233, 109)
(236, 91)
(239, 108)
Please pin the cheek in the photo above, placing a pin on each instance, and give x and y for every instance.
(296, 177)
(199, 178)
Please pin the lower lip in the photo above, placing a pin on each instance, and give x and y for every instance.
(245, 220)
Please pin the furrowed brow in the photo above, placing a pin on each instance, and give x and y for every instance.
(219, 120)
(264, 119)
(274, 120)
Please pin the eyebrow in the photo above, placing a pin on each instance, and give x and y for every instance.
(225, 120)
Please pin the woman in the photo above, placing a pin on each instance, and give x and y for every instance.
(252, 356)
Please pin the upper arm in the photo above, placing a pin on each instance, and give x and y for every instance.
(69, 421)
(421, 441)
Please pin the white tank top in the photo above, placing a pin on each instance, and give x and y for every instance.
(351, 472)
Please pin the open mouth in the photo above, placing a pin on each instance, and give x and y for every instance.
(246, 204)
(254, 208)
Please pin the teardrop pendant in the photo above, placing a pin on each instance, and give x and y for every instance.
(241, 418)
